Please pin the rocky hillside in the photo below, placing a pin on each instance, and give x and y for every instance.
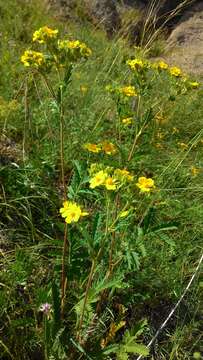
(181, 22)
(185, 44)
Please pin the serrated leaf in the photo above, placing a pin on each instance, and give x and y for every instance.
(96, 225)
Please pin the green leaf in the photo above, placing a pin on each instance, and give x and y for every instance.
(96, 225)
(79, 347)
(165, 227)
(137, 349)
(122, 355)
(111, 349)
(167, 240)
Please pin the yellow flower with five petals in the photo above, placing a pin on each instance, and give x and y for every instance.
(72, 212)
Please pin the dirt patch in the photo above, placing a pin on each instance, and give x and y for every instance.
(185, 44)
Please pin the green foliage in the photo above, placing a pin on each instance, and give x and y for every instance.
(139, 242)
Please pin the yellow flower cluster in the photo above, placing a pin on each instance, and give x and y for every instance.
(145, 184)
(62, 51)
(33, 58)
(161, 65)
(81, 48)
(44, 34)
(195, 171)
(139, 64)
(128, 91)
(136, 64)
(72, 212)
(107, 147)
(127, 121)
(123, 175)
(175, 71)
(109, 178)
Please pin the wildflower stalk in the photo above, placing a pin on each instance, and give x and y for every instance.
(63, 275)
(62, 145)
(86, 297)
(134, 143)
(103, 293)
(138, 134)
(65, 240)
(26, 115)
(49, 87)
(45, 337)
(112, 241)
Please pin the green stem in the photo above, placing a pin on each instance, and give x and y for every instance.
(63, 274)
(49, 87)
(85, 299)
(45, 338)
(62, 151)
(137, 135)
(112, 240)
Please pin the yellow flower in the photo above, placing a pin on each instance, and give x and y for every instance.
(160, 135)
(135, 64)
(44, 34)
(92, 147)
(109, 88)
(175, 71)
(123, 174)
(32, 58)
(83, 89)
(194, 84)
(145, 184)
(162, 65)
(85, 50)
(108, 148)
(110, 183)
(175, 130)
(128, 91)
(76, 45)
(195, 171)
(183, 145)
(123, 214)
(98, 179)
(71, 212)
(72, 44)
(160, 119)
(127, 121)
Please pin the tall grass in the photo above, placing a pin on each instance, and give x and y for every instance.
(148, 258)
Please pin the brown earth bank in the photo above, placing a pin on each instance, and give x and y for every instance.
(109, 13)
(185, 43)
(180, 21)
